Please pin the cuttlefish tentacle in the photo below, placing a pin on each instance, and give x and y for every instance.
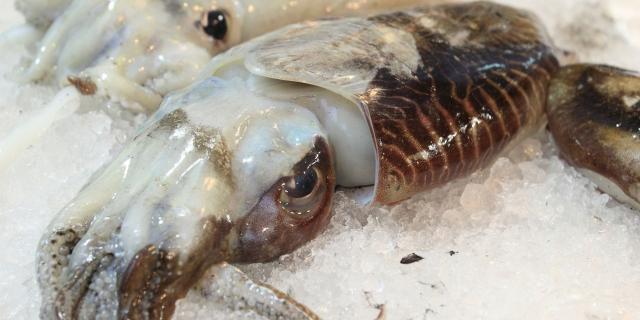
(241, 166)
(230, 287)
(594, 115)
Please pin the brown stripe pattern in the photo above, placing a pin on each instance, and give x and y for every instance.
(483, 78)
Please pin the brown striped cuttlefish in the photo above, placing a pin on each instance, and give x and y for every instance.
(241, 166)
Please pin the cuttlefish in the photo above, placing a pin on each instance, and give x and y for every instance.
(137, 51)
(241, 166)
(134, 52)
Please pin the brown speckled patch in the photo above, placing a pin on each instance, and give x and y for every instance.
(85, 85)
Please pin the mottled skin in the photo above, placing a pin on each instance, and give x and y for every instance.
(595, 120)
(444, 91)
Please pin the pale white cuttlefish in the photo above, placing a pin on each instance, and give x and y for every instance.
(136, 51)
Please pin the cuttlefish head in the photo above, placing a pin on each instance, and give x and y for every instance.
(133, 51)
(217, 175)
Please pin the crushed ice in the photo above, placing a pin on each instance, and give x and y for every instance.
(527, 238)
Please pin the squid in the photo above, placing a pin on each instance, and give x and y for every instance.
(241, 166)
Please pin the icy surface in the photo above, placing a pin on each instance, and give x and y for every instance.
(528, 238)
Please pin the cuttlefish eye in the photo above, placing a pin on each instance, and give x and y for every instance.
(214, 24)
(302, 191)
(292, 212)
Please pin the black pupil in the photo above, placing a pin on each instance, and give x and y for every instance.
(216, 25)
(304, 184)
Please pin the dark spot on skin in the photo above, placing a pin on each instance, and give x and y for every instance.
(85, 85)
(452, 253)
(412, 258)
(174, 120)
(360, 64)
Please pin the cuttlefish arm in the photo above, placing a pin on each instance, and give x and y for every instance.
(230, 287)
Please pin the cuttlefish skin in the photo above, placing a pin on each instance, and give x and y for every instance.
(137, 51)
(594, 118)
(241, 166)
(473, 99)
